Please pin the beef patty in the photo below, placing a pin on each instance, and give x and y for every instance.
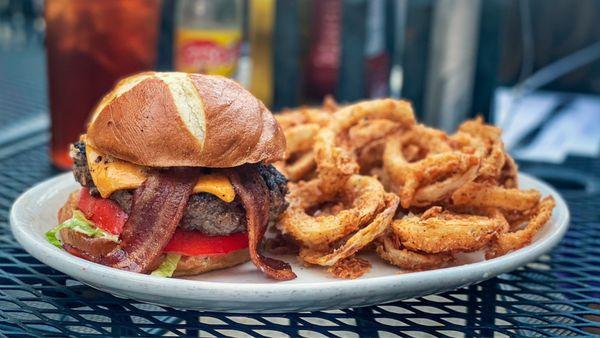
(205, 212)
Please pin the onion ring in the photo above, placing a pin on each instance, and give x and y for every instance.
(407, 259)
(336, 164)
(454, 168)
(510, 241)
(358, 240)
(301, 167)
(508, 174)
(291, 118)
(440, 190)
(300, 138)
(367, 141)
(350, 268)
(368, 131)
(486, 195)
(447, 231)
(395, 110)
(365, 196)
(516, 218)
(486, 141)
(300, 128)
(370, 157)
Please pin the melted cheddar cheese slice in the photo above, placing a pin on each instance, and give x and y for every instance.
(216, 184)
(110, 174)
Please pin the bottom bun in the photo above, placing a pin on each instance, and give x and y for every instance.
(66, 211)
(187, 266)
(194, 265)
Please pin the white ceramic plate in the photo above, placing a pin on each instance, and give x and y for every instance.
(245, 289)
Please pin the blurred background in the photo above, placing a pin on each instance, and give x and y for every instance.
(529, 66)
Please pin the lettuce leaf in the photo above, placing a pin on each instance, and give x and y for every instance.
(168, 266)
(79, 223)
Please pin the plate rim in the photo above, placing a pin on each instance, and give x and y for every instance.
(110, 277)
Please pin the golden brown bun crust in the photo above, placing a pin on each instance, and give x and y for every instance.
(177, 119)
(187, 266)
(94, 246)
(194, 265)
(238, 125)
(66, 211)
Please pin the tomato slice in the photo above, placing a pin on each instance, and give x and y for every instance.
(108, 216)
(105, 213)
(195, 243)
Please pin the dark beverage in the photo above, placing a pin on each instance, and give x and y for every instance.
(90, 45)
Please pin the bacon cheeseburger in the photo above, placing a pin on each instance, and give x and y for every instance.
(175, 178)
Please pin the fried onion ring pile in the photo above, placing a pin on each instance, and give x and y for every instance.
(300, 129)
(368, 177)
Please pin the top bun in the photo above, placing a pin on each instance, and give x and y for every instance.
(177, 119)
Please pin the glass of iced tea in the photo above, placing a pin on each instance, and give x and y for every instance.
(90, 45)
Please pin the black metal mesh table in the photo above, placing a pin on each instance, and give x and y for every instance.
(557, 295)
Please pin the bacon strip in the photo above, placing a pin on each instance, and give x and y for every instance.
(158, 206)
(252, 190)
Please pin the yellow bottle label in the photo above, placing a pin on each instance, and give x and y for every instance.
(207, 51)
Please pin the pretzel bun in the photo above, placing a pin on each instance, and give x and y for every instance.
(168, 119)
(195, 265)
